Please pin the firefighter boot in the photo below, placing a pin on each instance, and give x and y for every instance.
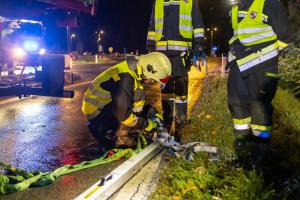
(123, 139)
(181, 119)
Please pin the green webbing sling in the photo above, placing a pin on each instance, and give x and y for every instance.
(19, 179)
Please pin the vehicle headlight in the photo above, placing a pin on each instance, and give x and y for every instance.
(42, 51)
(18, 52)
(31, 45)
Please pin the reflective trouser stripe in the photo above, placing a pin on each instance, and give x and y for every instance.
(258, 57)
(261, 128)
(241, 121)
(242, 124)
(178, 100)
(261, 131)
(138, 106)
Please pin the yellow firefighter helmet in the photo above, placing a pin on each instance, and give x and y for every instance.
(155, 66)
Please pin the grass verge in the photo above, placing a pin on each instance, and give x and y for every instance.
(276, 177)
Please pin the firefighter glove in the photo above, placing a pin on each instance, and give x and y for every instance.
(152, 125)
(158, 118)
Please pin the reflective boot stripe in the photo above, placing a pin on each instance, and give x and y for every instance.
(261, 128)
(242, 124)
(261, 134)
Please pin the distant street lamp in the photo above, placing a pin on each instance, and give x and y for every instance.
(212, 30)
(73, 36)
(99, 38)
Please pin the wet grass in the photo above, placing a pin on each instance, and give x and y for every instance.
(265, 173)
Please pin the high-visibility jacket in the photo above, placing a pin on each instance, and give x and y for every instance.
(120, 88)
(175, 26)
(255, 40)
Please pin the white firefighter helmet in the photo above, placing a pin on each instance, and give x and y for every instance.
(155, 66)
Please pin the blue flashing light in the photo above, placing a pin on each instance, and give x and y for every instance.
(31, 45)
(215, 48)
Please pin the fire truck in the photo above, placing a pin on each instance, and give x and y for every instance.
(22, 43)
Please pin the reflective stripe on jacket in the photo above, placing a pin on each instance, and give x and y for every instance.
(97, 96)
(254, 41)
(252, 29)
(175, 21)
(185, 18)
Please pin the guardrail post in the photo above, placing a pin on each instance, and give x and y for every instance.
(96, 58)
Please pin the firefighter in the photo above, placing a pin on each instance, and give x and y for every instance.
(260, 33)
(176, 26)
(114, 102)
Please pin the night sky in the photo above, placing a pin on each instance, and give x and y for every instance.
(124, 22)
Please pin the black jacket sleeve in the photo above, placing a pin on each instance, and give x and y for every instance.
(150, 46)
(279, 20)
(198, 25)
(122, 102)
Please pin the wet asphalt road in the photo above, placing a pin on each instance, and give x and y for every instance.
(44, 133)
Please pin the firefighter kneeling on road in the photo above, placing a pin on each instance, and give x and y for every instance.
(114, 103)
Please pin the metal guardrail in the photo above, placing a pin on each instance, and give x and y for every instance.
(108, 185)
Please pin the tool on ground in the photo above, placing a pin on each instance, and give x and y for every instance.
(185, 151)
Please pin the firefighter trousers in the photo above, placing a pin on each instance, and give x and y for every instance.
(104, 126)
(174, 95)
(249, 101)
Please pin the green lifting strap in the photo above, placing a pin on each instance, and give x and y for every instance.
(19, 179)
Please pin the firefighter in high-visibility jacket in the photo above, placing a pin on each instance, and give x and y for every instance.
(176, 26)
(260, 33)
(114, 101)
